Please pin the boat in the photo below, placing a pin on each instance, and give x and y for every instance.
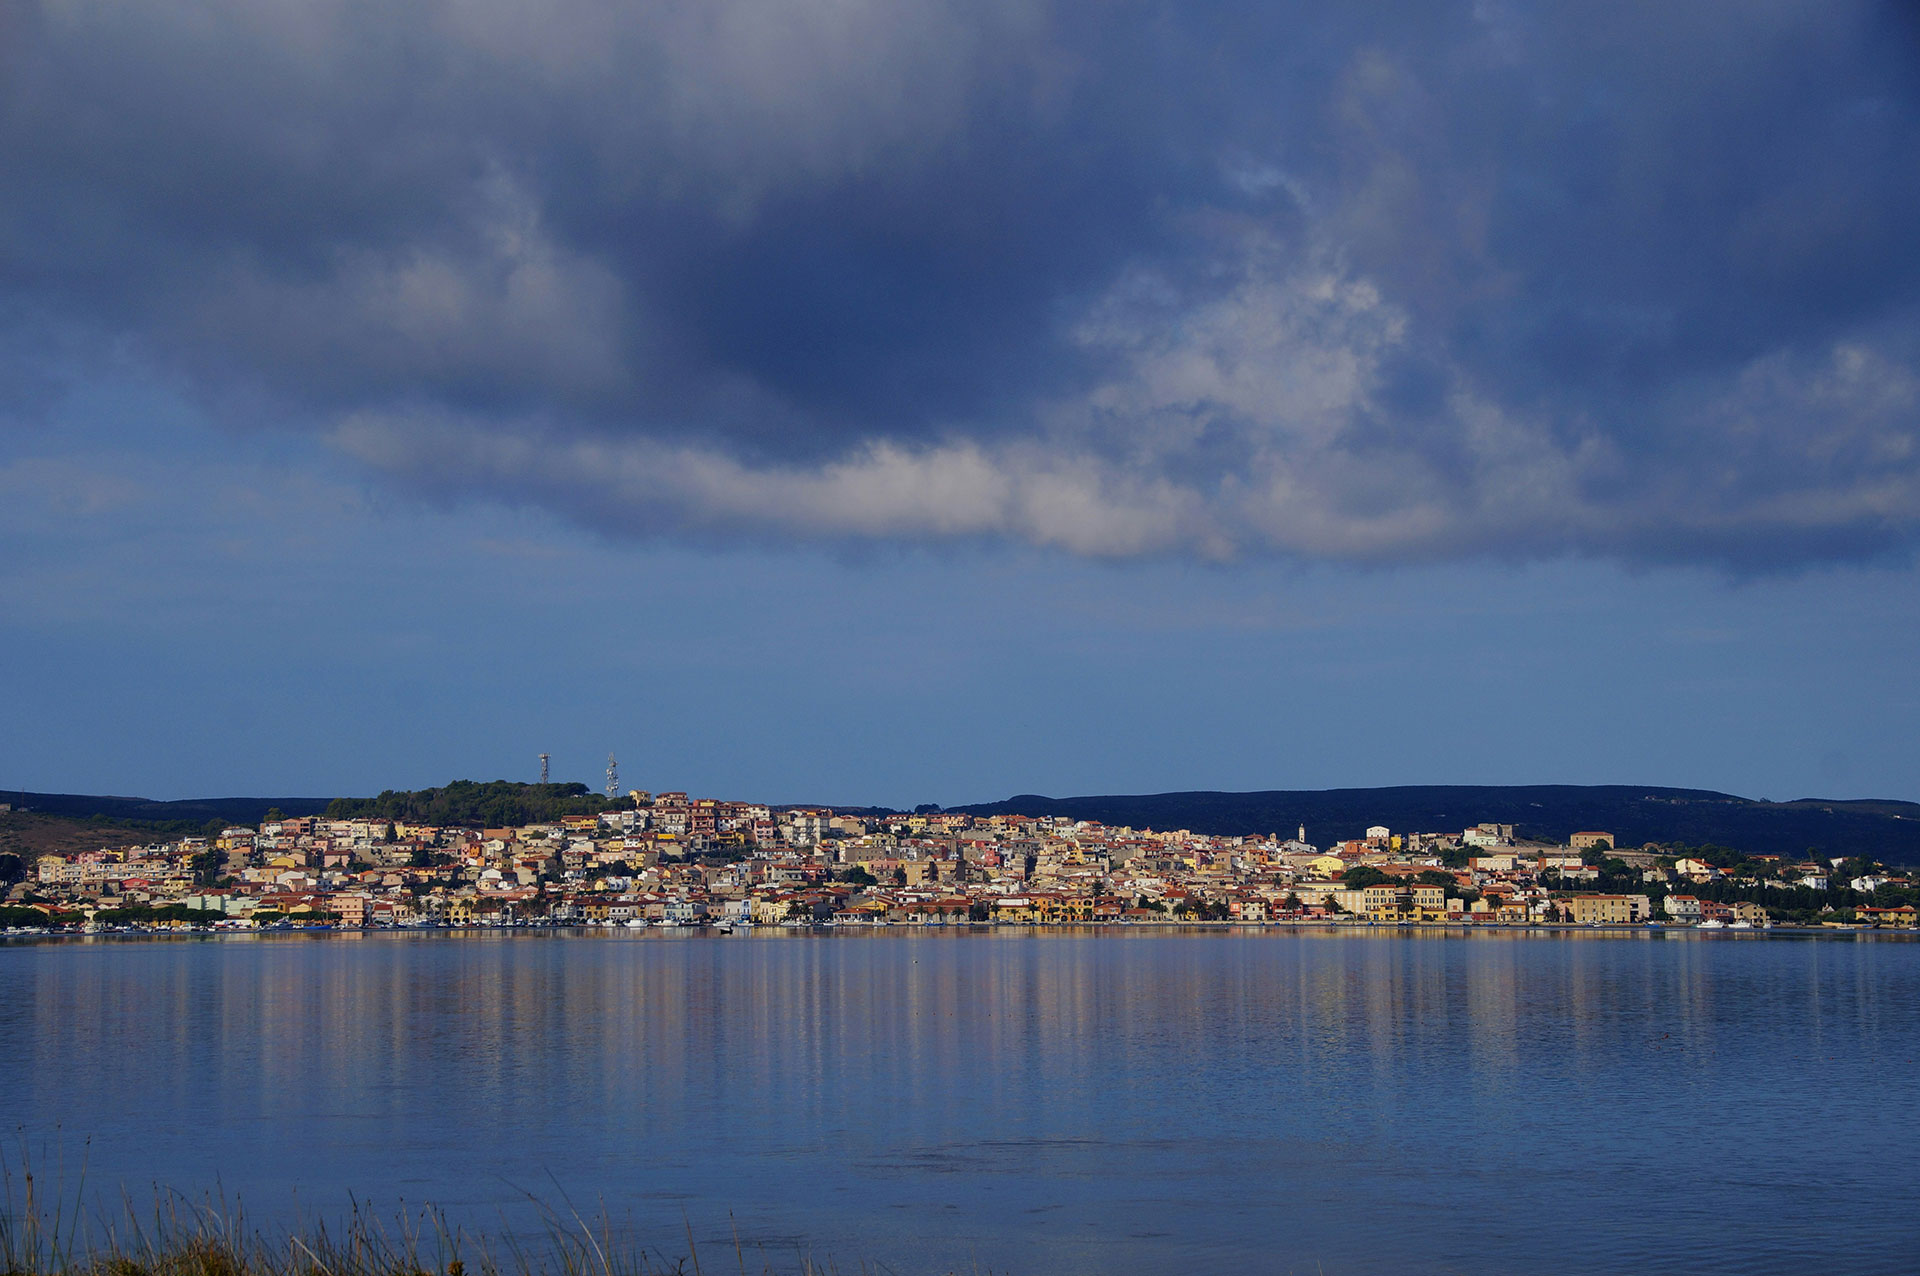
(1712, 924)
(1739, 925)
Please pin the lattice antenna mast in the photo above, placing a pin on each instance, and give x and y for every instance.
(544, 759)
(613, 777)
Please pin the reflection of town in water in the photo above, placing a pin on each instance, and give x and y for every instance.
(920, 1092)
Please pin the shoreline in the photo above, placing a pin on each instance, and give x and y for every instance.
(572, 930)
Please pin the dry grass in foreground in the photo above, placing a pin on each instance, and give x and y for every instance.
(178, 1237)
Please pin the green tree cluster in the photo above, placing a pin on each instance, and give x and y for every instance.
(1799, 904)
(473, 804)
(206, 867)
(1201, 910)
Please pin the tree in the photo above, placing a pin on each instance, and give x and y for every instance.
(12, 869)
(275, 815)
(465, 802)
(206, 867)
(1851, 867)
(1361, 876)
(1202, 910)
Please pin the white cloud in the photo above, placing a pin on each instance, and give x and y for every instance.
(1238, 422)
(1011, 270)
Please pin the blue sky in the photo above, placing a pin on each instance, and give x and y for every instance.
(902, 403)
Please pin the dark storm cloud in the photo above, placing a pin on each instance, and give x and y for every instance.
(1380, 282)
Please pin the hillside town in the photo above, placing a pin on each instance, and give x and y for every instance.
(671, 860)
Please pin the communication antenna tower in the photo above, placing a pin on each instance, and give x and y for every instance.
(543, 766)
(613, 777)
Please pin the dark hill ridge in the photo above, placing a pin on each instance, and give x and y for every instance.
(238, 810)
(1634, 814)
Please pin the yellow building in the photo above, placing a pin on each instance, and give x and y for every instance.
(1607, 910)
(1395, 901)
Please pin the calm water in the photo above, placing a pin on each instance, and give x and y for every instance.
(1043, 1103)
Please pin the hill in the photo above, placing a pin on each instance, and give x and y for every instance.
(30, 835)
(145, 811)
(1635, 815)
(468, 802)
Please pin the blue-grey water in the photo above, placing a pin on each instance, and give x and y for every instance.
(1040, 1103)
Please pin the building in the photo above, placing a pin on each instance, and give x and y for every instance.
(1607, 910)
(1683, 908)
(1591, 840)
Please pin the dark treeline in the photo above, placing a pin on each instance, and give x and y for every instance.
(1635, 815)
(187, 816)
(470, 803)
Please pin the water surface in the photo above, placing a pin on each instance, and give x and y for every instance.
(1063, 1102)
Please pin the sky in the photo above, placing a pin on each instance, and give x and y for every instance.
(929, 402)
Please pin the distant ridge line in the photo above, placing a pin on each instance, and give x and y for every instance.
(1634, 813)
(1882, 828)
(237, 810)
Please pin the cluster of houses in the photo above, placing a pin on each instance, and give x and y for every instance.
(671, 860)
